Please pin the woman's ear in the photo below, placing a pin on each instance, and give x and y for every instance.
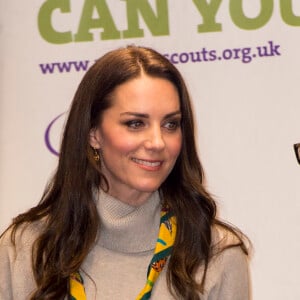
(95, 138)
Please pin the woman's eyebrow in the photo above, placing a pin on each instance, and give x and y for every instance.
(172, 114)
(135, 114)
(142, 115)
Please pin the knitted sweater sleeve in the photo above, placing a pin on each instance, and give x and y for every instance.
(16, 277)
(231, 280)
(227, 276)
(7, 256)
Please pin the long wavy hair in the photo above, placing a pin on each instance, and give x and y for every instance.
(68, 210)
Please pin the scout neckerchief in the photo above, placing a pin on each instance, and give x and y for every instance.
(163, 248)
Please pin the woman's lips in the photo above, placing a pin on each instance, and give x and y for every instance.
(152, 164)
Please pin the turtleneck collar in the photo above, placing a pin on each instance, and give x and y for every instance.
(129, 229)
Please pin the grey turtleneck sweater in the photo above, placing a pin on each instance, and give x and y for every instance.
(116, 268)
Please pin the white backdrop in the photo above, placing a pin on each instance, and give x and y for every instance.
(246, 103)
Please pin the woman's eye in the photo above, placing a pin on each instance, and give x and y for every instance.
(134, 124)
(172, 125)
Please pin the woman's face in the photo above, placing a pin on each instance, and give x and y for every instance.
(139, 137)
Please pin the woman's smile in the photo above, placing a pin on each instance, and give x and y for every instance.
(150, 165)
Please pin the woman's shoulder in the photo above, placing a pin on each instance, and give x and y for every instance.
(226, 236)
(16, 258)
(228, 273)
(16, 246)
(230, 249)
(23, 235)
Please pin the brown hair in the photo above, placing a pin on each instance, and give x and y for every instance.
(68, 207)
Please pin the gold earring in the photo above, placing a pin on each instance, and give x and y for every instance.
(96, 155)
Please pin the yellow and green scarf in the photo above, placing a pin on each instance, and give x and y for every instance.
(163, 248)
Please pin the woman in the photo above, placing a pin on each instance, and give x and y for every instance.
(128, 190)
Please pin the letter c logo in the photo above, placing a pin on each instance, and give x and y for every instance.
(47, 135)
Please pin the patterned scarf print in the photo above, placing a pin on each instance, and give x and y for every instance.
(163, 248)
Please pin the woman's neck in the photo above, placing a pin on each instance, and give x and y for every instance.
(126, 228)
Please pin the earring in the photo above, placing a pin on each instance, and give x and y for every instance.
(96, 155)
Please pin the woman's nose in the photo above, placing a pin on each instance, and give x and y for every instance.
(155, 139)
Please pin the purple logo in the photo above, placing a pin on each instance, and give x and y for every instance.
(47, 136)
